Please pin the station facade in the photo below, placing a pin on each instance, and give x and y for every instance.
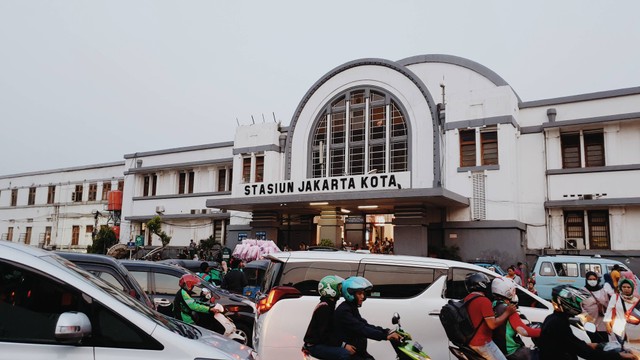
(429, 152)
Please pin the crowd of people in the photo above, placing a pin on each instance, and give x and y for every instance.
(341, 332)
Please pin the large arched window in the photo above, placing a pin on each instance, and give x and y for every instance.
(362, 131)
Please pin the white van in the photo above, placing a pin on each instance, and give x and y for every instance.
(52, 309)
(415, 287)
(554, 270)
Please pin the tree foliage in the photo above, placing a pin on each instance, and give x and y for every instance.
(105, 238)
(155, 226)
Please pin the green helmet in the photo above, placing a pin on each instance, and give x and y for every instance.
(569, 298)
(329, 286)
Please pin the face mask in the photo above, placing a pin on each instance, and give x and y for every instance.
(592, 282)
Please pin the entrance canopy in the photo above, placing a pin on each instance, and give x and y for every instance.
(371, 202)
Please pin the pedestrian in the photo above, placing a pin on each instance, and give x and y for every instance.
(597, 307)
(482, 316)
(615, 319)
(320, 340)
(511, 274)
(521, 271)
(557, 341)
(235, 280)
(615, 277)
(350, 326)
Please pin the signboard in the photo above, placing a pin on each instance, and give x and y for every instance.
(139, 240)
(226, 254)
(242, 236)
(131, 245)
(261, 235)
(369, 182)
(354, 220)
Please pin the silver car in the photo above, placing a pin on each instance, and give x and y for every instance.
(50, 308)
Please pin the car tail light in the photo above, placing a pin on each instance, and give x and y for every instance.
(276, 294)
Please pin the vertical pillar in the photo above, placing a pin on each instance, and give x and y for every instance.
(410, 231)
(331, 227)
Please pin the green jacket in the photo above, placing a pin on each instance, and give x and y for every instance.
(184, 306)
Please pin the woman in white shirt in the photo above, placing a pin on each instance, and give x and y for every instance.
(619, 304)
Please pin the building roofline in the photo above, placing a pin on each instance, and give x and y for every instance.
(180, 149)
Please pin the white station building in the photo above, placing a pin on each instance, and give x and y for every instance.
(431, 151)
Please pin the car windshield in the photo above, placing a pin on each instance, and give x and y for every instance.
(162, 320)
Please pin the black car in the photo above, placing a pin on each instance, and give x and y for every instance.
(110, 270)
(160, 281)
(192, 265)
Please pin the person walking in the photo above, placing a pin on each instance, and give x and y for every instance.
(511, 274)
(235, 280)
(598, 307)
(614, 318)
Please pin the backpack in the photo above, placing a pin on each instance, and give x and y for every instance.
(456, 321)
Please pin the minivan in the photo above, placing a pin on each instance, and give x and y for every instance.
(53, 309)
(553, 270)
(415, 287)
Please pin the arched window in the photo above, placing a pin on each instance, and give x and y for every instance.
(361, 131)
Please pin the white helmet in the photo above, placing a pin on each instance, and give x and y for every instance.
(504, 287)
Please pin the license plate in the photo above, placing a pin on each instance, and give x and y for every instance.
(417, 346)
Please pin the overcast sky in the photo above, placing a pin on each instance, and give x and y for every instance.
(85, 82)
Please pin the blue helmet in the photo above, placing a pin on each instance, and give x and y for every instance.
(354, 284)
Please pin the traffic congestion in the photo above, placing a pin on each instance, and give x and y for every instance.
(315, 303)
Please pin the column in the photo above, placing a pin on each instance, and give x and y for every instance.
(410, 231)
(331, 227)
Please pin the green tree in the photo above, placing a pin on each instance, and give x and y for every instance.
(105, 238)
(155, 226)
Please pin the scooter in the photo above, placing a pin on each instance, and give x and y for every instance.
(407, 348)
(228, 327)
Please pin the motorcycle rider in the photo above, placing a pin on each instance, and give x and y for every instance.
(507, 335)
(482, 316)
(350, 327)
(319, 340)
(184, 305)
(557, 341)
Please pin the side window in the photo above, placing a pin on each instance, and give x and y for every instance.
(590, 267)
(166, 284)
(142, 279)
(566, 269)
(455, 283)
(30, 305)
(110, 279)
(398, 282)
(546, 269)
(305, 276)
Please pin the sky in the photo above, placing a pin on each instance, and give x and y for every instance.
(86, 82)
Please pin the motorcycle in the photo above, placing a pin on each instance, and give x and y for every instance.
(407, 348)
(219, 322)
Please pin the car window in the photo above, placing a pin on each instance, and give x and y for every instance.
(584, 267)
(166, 284)
(270, 276)
(546, 269)
(142, 279)
(110, 279)
(30, 304)
(455, 283)
(305, 276)
(396, 282)
(524, 299)
(566, 269)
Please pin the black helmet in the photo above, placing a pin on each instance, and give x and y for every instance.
(477, 282)
(569, 298)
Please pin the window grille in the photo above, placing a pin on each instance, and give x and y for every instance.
(479, 211)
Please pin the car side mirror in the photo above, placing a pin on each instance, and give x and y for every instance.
(72, 327)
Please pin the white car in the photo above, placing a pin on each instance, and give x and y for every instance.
(415, 287)
(52, 309)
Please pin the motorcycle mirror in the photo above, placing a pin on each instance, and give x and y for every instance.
(590, 327)
(395, 319)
